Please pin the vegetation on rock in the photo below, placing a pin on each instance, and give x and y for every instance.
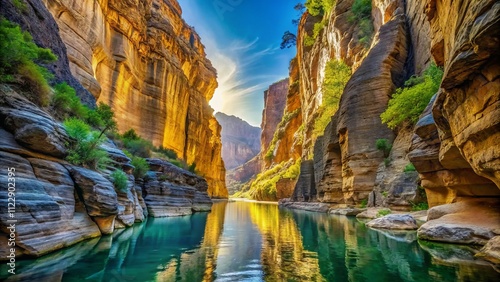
(409, 167)
(361, 14)
(384, 145)
(319, 7)
(383, 212)
(264, 185)
(337, 74)
(20, 60)
(120, 180)
(279, 133)
(85, 150)
(409, 102)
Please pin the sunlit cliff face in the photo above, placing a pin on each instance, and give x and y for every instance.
(150, 67)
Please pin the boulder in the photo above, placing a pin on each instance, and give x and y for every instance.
(31, 127)
(98, 195)
(47, 216)
(471, 221)
(394, 221)
(347, 211)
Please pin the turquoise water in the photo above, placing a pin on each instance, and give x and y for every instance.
(241, 241)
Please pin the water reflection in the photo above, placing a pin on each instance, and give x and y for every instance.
(255, 242)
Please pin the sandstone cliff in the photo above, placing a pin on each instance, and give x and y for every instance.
(240, 140)
(59, 204)
(274, 104)
(143, 60)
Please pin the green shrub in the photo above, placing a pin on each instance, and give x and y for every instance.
(120, 180)
(387, 162)
(419, 206)
(384, 145)
(131, 135)
(19, 57)
(309, 41)
(66, 102)
(385, 193)
(409, 102)
(20, 5)
(141, 166)
(85, 150)
(139, 147)
(361, 15)
(337, 74)
(171, 154)
(409, 167)
(383, 212)
(102, 117)
(319, 7)
(192, 167)
(363, 203)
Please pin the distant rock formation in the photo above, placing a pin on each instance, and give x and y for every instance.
(240, 140)
(274, 104)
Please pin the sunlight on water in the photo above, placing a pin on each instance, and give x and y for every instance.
(241, 241)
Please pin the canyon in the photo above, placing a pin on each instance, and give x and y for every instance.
(144, 61)
(453, 146)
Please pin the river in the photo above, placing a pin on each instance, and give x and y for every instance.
(242, 241)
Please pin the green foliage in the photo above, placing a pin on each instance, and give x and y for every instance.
(385, 193)
(66, 103)
(279, 133)
(131, 135)
(318, 27)
(141, 166)
(383, 212)
(387, 162)
(102, 117)
(309, 41)
(337, 74)
(288, 40)
(419, 206)
(409, 167)
(20, 5)
(171, 154)
(363, 203)
(319, 7)
(361, 14)
(85, 150)
(19, 57)
(264, 185)
(138, 147)
(384, 145)
(120, 180)
(409, 102)
(192, 167)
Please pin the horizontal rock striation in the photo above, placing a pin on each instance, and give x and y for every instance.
(171, 191)
(143, 60)
(58, 204)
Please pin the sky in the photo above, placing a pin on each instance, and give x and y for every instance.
(242, 40)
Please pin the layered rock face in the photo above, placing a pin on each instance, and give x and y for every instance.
(38, 21)
(58, 204)
(274, 104)
(346, 158)
(240, 140)
(143, 60)
(455, 147)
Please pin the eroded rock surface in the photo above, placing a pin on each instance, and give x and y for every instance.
(171, 191)
(142, 59)
(394, 221)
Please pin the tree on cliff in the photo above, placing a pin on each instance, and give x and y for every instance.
(288, 40)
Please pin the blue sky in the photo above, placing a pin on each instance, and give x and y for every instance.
(242, 39)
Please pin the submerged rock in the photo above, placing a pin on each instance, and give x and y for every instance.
(347, 211)
(394, 221)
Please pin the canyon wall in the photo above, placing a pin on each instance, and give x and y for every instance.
(240, 140)
(274, 104)
(59, 204)
(142, 59)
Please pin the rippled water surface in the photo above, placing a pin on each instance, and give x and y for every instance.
(241, 241)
